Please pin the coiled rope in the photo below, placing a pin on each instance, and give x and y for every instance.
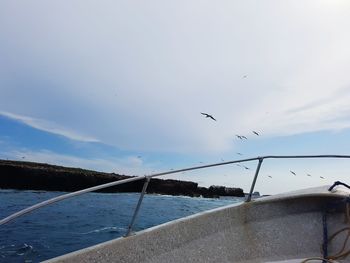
(342, 254)
(317, 258)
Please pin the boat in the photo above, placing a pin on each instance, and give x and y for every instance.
(308, 225)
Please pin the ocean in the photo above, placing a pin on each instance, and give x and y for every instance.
(85, 220)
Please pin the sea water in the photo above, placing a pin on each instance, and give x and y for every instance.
(84, 221)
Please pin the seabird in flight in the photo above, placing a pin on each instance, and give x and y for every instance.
(321, 177)
(208, 116)
(256, 133)
(292, 172)
(308, 175)
(270, 176)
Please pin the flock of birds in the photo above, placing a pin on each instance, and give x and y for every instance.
(242, 137)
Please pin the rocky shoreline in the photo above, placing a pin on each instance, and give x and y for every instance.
(39, 176)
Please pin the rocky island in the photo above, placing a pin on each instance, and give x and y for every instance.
(40, 176)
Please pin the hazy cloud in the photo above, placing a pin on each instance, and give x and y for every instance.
(48, 126)
(129, 165)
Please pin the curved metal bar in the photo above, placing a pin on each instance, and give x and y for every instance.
(98, 187)
(66, 196)
(144, 188)
(254, 180)
(102, 186)
(305, 156)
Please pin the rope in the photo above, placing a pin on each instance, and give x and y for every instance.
(325, 236)
(316, 258)
(338, 183)
(343, 253)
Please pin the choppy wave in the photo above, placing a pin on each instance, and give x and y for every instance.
(16, 252)
(109, 229)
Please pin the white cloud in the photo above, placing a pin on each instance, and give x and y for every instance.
(137, 76)
(128, 165)
(48, 126)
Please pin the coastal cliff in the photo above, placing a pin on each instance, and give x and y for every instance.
(39, 176)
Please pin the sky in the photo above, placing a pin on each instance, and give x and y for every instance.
(119, 86)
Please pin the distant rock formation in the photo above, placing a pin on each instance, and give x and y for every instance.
(38, 176)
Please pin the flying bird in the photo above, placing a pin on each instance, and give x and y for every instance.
(245, 167)
(270, 176)
(256, 133)
(308, 175)
(321, 177)
(292, 172)
(208, 116)
(243, 137)
(239, 137)
(239, 153)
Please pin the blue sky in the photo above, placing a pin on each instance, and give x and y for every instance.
(119, 86)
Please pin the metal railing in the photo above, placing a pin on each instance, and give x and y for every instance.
(148, 178)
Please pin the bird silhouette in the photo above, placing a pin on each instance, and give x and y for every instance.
(239, 137)
(243, 137)
(239, 153)
(270, 176)
(208, 116)
(321, 177)
(256, 133)
(308, 175)
(245, 167)
(293, 172)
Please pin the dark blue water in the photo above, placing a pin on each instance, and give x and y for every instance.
(83, 221)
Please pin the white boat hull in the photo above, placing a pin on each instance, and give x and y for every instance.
(276, 228)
